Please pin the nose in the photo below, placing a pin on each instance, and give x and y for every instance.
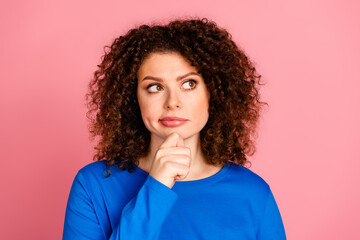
(173, 101)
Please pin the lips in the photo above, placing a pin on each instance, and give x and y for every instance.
(172, 121)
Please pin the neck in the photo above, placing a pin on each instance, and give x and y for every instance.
(198, 160)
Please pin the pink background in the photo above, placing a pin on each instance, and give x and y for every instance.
(309, 139)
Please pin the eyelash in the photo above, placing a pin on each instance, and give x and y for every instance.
(157, 84)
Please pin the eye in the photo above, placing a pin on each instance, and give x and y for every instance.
(154, 88)
(191, 84)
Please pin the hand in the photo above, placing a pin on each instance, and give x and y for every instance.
(172, 161)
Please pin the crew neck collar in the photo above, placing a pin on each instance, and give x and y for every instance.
(211, 179)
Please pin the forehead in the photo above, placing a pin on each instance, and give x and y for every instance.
(165, 64)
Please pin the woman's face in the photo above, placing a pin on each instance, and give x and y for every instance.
(168, 86)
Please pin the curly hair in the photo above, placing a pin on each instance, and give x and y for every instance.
(230, 77)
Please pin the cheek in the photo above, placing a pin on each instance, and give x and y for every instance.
(203, 102)
(203, 111)
(200, 106)
(148, 110)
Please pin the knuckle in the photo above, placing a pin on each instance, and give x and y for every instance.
(162, 160)
(167, 164)
(159, 154)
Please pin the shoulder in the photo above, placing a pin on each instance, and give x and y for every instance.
(90, 173)
(99, 171)
(246, 180)
(247, 176)
(93, 168)
(98, 178)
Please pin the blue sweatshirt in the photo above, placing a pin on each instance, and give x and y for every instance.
(235, 203)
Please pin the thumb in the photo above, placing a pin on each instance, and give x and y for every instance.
(173, 140)
(180, 141)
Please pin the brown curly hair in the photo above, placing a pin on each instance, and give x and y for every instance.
(230, 77)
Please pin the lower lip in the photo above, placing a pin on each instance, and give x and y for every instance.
(173, 123)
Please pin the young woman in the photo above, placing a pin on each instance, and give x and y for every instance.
(176, 107)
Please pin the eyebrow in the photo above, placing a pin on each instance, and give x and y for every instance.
(177, 79)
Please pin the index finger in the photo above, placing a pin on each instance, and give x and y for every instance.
(173, 140)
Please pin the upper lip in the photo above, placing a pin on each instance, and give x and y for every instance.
(173, 119)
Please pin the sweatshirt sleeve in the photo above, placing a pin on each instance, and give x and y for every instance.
(144, 215)
(141, 218)
(271, 226)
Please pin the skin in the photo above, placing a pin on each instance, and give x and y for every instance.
(169, 86)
